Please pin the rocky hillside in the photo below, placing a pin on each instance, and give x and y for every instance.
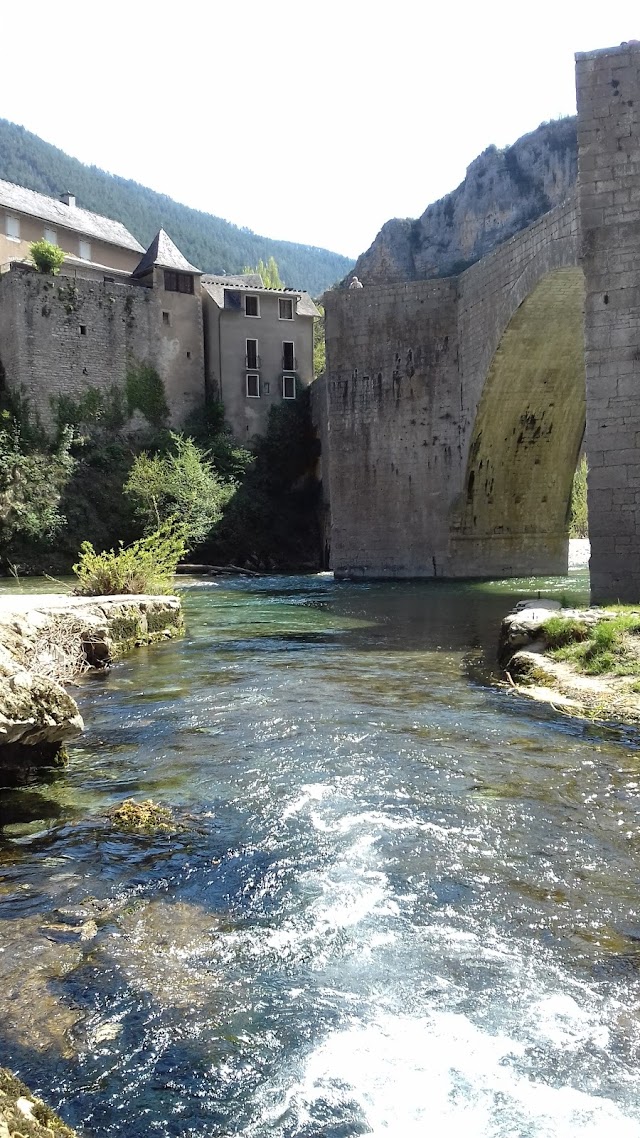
(503, 191)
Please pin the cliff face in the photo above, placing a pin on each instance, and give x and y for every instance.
(502, 193)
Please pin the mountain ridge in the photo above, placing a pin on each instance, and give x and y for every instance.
(502, 192)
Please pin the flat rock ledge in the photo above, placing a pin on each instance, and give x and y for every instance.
(531, 672)
(48, 639)
(22, 1115)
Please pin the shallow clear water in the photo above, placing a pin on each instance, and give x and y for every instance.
(405, 901)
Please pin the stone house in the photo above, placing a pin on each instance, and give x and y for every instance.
(112, 313)
(27, 216)
(259, 347)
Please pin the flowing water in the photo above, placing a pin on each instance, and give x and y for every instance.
(404, 901)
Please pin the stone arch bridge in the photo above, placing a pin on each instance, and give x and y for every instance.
(453, 411)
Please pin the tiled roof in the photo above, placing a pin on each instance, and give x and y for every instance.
(247, 280)
(163, 253)
(215, 286)
(67, 216)
(306, 307)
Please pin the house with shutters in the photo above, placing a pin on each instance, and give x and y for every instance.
(258, 347)
(85, 237)
(115, 309)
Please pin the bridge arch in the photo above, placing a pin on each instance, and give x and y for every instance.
(526, 437)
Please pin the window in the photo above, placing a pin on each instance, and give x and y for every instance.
(83, 329)
(251, 306)
(285, 308)
(85, 250)
(288, 387)
(178, 282)
(253, 386)
(288, 357)
(188, 355)
(166, 318)
(252, 360)
(12, 228)
(51, 236)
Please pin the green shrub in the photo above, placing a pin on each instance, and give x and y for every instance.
(46, 257)
(146, 566)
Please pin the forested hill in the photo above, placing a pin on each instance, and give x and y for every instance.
(214, 245)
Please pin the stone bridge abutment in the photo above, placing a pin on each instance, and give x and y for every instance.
(455, 408)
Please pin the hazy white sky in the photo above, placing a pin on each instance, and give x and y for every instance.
(310, 122)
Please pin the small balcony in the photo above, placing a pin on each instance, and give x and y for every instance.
(289, 362)
(253, 362)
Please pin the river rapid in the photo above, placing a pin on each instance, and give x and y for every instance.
(404, 901)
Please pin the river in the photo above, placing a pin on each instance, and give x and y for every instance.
(404, 901)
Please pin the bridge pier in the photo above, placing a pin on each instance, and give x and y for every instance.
(608, 90)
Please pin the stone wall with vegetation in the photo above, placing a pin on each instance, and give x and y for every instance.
(71, 339)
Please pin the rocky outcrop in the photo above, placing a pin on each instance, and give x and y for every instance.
(22, 1115)
(45, 641)
(502, 193)
(532, 669)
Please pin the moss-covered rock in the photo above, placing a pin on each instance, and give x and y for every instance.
(146, 817)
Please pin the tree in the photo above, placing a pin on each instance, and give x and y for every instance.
(46, 257)
(32, 479)
(179, 483)
(270, 273)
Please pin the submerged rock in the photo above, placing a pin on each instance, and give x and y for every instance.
(147, 817)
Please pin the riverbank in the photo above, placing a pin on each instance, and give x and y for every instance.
(585, 662)
(22, 1115)
(47, 641)
(387, 877)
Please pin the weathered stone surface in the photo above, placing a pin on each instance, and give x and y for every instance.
(50, 637)
(609, 186)
(40, 337)
(455, 412)
(455, 407)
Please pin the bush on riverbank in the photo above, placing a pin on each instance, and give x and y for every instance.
(146, 566)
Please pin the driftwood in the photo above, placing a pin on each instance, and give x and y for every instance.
(217, 570)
